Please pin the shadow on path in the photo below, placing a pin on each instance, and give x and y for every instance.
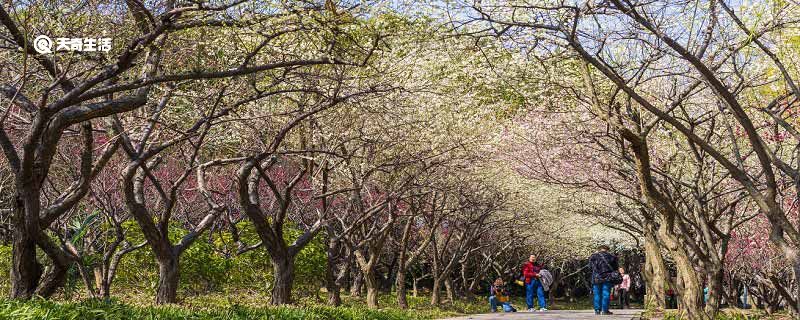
(626, 314)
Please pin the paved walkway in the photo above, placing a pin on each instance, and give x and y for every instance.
(626, 314)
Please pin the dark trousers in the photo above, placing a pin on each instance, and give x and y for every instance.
(623, 299)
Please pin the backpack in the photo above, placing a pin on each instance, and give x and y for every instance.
(546, 278)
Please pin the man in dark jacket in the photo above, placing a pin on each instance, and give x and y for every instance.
(533, 283)
(603, 263)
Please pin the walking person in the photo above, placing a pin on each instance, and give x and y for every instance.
(623, 290)
(605, 275)
(533, 284)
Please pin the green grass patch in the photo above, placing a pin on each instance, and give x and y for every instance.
(131, 304)
(235, 305)
(92, 309)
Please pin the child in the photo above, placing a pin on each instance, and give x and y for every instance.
(498, 294)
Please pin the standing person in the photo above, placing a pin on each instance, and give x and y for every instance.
(623, 289)
(604, 266)
(533, 284)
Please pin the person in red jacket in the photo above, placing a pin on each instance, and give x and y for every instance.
(533, 283)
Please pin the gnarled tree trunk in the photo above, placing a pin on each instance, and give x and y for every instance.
(655, 273)
(168, 277)
(356, 286)
(283, 267)
(372, 289)
(331, 285)
(25, 269)
(691, 293)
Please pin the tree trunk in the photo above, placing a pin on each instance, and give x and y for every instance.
(97, 272)
(372, 289)
(283, 266)
(714, 292)
(342, 279)
(168, 276)
(53, 279)
(400, 283)
(787, 292)
(415, 287)
(655, 274)
(691, 294)
(448, 286)
(436, 298)
(355, 288)
(25, 269)
(102, 283)
(334, 298)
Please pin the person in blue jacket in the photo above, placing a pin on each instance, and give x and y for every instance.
(603, 263)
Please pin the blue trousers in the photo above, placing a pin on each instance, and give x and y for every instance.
(535, 287)
(493, 303)
(602, 296)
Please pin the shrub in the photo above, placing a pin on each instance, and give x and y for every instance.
(204, 267)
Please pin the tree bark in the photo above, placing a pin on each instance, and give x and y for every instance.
(168, 276)
(53, 279)
(372, 289)
(25, 269)
(691, 294)
(714, 281)
(355, 288)
(448, 285)
(400, 283)
(415, 287)
(334, 298)
(655, 274)
(283, 267)
(436, 289)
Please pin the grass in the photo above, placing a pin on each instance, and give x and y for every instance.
(242, 305)
(725, 314)
(93, 309)
(233, 306)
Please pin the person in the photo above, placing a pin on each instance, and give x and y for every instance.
(623, 289)
(499, 295)
(603, 264)
(533, 284)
